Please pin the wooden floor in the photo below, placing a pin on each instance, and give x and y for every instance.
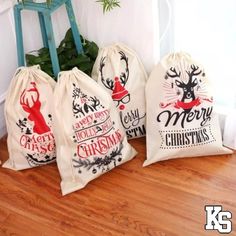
(166, 198)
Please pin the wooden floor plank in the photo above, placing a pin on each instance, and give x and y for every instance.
(164, 199)
(16, 224)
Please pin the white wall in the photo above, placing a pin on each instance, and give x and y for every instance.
(7, 55)
(134, 24)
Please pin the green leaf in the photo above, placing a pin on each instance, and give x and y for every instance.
(68, 36)
(69, 53)
(43, 51)
(30, 59)
(60, 50)
(108, 5)
(48, 69)
(62, 59)
(69, 45)
(79, 60)
(85, 66)
(64, 67)
(92, 50)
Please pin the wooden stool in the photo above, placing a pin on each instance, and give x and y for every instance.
(44, 13)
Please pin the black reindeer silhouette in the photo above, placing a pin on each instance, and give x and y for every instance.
(109, 83)
(117, 84)
(188, 88)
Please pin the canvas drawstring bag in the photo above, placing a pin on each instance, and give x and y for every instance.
(119, 70)
(89, 136)
(181, 120)
(28, 113)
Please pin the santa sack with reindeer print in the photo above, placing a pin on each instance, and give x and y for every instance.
(119, 70)
(181, 121)
(28, 113)
(89, 136)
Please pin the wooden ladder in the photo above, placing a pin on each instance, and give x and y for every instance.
(44, 13)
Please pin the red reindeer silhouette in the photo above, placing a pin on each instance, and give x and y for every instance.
(29, 101)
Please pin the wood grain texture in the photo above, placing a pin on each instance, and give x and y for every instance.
(164, 199)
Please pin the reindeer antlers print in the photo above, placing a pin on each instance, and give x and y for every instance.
(82, 108)
(124, 76)
(193, 72)
(108, 83)
(174, 73)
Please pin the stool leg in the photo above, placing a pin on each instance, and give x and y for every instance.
(74, 27)
(43, 30)
(51, 43)
(19, 37)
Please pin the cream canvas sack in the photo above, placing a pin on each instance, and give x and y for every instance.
(28, 113)
(181, 121)
(119, 70)
(90, 139)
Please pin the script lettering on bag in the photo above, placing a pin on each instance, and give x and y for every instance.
(203, 115)
(187, 122)
(95, 134)
(38, 143)
(132, 122)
